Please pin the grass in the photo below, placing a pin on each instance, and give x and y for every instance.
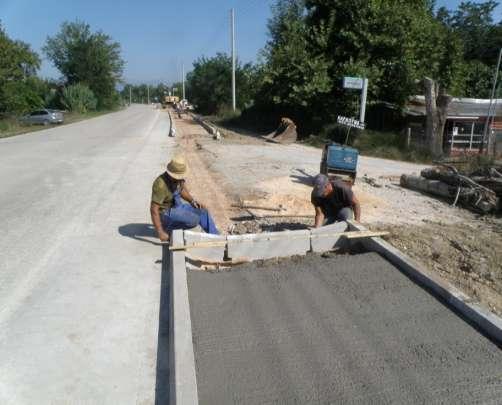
(386, 145)
(11, 126)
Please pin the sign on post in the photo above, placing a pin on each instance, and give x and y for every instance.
(350, 122)
(353, 82)
(358, 83)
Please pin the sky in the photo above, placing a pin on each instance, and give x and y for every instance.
(158, 37)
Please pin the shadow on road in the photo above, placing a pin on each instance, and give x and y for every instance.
(162, 374)
(142, 232)
(303, 177)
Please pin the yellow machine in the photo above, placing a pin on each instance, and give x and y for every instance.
(171, 99)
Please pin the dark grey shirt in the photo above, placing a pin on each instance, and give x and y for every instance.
(341, 197)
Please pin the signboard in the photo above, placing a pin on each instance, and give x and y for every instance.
(350, 122)
(353, 83)
(455, 131)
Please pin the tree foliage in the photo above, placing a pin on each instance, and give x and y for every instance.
(19, 88)
(209, 83)
(473, 26)
(291, 76)
(79, 98)
(90, 58)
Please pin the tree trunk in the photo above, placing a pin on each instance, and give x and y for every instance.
(436, 107)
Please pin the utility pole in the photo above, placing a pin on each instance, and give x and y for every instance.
(183, 74)
(148, 93)
(487, 135)
(130, 94)
(232, 36)
(364, 94)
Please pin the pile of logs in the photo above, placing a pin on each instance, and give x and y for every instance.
(480, 191)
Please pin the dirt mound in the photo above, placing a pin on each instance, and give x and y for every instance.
(285, 132)
(469, 256)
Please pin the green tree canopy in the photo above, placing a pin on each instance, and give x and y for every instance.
(18, 84)
(209, 83)
(90, 58)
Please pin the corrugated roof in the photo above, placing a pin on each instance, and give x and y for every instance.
(459, 107)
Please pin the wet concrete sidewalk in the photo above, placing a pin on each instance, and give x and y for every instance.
(345, 329)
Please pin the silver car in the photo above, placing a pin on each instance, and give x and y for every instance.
(44, 116)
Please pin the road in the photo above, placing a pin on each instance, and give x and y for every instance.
(344, 329)
(79, 279)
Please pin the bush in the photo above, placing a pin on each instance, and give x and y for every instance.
(387, 145)
(21, 97)
(79, 98)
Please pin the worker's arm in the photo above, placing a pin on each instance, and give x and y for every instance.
(155, 213)
(185, 194)
(356, 207)
(319, 217)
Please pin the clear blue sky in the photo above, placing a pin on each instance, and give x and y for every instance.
(157, 36)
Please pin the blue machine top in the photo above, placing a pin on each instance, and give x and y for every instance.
(342, 157)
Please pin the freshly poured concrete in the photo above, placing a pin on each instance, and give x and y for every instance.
(348, 329)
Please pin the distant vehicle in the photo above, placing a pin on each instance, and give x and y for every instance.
(171, 99)
(44, 117)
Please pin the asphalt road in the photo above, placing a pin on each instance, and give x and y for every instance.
(79, 280)
(341, 330)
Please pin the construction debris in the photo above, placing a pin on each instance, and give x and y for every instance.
(446, 181)
(285, 132)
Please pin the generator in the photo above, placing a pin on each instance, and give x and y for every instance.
(339, 161)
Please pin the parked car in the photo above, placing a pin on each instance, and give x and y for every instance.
(44, 116)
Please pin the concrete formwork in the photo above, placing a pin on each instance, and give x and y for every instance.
(268, 245)
(325, 238)
(211, 253)
(182, 381)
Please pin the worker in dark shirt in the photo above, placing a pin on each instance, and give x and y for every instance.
(333, 201)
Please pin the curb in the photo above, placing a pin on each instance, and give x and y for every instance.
(172, 129)
(488, 323)
(182, 376)
(209, 128)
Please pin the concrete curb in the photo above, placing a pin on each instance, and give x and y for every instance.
(172, 129)
(208, 127)
(488, 323)
(182, 376)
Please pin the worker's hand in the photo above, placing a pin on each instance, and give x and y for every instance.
(198, 205)
(164, 236)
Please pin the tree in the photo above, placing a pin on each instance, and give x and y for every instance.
(473, 22)
(291, 76)
(90, 58)
(393, 43)
(79, 98)
(18, 66)
(481, 39)
(209, 83)
(436, 105)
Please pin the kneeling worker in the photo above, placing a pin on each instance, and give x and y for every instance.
(167, 208)
(333, 201)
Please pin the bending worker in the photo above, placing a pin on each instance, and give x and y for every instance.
(333, 201)
(167, 208)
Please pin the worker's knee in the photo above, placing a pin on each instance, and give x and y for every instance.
(345, 214)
